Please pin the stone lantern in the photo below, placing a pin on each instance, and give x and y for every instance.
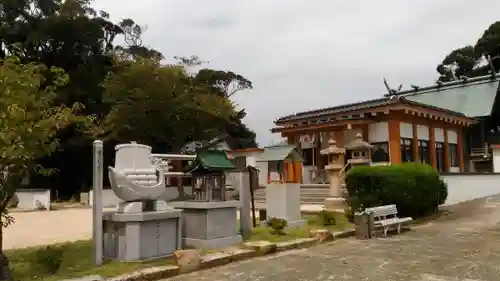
(336, 163)
(360, 151)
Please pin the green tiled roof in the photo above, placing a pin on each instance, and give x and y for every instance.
(472, 100)
(211, 160)
(279, 153)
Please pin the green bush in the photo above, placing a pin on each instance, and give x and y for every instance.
(415, 188)
(277, 225)
(48, 259)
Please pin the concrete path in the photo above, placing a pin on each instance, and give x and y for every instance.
(463, 245)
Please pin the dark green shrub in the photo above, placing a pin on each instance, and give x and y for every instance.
(415, 188)
(48, 259)
(443, 192)
(327, 218)
(277, 225)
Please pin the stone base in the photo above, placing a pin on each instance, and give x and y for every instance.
(283, 202)
(216, 243)
(141, 206)
(290, 224)
(141, 236)
(209, 225)
(335, 203)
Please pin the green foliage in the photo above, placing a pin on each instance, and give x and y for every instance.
(76, 261)
(73, 36)
(327, 218)
(145, 96)
(471, 60)
(415, 188)
(277, 225)
(48, 259)
(29, 121)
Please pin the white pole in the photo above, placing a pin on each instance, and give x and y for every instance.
(97, 231)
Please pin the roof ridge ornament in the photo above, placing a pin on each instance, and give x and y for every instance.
(390, 90)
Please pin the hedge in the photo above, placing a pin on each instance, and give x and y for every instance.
(416, 189)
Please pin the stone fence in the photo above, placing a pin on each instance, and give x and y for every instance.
(468, 186)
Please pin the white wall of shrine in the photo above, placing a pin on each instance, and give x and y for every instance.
(423, 132)
(406, 130)
(378, 132)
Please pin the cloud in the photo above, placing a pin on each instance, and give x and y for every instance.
(304, 55)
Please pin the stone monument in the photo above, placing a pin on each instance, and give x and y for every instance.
(142, 227)
(210, 218)
(336, 163)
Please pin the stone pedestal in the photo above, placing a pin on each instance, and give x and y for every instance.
(141, 235)
(335, 201)
(283, 202)
(209, 225)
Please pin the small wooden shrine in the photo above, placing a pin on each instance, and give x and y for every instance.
(208, 172)
(284, 164)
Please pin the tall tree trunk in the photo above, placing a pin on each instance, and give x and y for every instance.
(5, 272)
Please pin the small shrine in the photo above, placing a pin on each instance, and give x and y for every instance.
(209, 219)
(336, 163)
(359, 151)
(284, 164)
(208, 173)
(284, 176)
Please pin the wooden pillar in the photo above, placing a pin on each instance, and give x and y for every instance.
(446, 151)
(432, 146)
(416, 157)
(339, 138)
(364, 132)
(317, 149)
(394, 142)
(460, 148)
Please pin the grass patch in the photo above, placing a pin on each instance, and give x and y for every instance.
(76, 262)
(313, 221)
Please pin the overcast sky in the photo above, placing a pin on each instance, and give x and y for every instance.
(304, 55)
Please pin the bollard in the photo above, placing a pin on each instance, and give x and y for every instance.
(97, 228)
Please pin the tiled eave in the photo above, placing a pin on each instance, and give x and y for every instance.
(362, 114)
(317, 113)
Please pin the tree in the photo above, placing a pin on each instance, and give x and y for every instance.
(473, 61)
(134, 49)
(29, 122)
(226, 84)
(159, 105)
(68, 34)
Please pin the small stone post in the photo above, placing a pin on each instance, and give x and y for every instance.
(245, 198)
(97, 228)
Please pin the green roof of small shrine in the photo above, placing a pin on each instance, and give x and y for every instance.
(280, 153)
(211, 161)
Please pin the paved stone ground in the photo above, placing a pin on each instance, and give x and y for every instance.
(462, 245)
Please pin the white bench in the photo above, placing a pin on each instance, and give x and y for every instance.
(386, 217)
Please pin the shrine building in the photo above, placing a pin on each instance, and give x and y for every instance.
(452, 126)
